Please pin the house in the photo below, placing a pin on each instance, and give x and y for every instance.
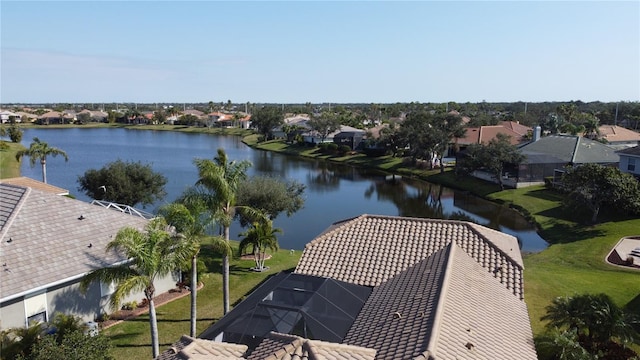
(547, 157)
(384, 287)
(7, 116)
(619, 137)
(517, 134)
(24, 181)
(55, 117)
(48, 243)
(630, 160)
(349, 136)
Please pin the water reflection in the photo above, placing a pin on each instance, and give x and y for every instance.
(334, 192)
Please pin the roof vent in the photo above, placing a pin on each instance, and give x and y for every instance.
(81, 217)
(10, 240)
(397, 315)
(90, 245)
(469, 346)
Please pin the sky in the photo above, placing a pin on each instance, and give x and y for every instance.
(318, 51)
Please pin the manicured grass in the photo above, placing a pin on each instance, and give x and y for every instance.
(9, 166)
(131, 339)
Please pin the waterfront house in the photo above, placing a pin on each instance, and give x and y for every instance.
(384, 287)
(547, 157)
(48, 242)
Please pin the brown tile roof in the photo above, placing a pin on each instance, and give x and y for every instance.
(290, 347)
(74, 234)
(370, 249)
(34, 184)
(188, 348)
(484, 134)
(516, 127)
(613, 134)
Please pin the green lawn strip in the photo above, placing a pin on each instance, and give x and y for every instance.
(9, 167)
(131, 339)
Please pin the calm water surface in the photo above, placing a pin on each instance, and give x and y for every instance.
(334, 192)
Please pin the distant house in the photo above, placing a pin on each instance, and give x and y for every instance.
(548, 156)
(384, 287)
(517, 134)
(8, 116)
(619, 137)
(48, 243)
(630, 160)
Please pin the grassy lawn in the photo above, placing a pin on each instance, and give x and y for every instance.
(9, 167)
(131, 339)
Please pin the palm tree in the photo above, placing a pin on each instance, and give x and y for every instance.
(594, 317)
(190, 224)
(260, 237)
(152, 254)
(217, 186)
(39, 150)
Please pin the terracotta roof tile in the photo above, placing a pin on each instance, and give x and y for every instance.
(370, 249)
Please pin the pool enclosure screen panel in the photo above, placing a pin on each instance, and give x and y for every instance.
(308, 306)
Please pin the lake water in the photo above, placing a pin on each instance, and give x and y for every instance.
(334, 192)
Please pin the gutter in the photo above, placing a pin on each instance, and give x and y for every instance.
(52, 284)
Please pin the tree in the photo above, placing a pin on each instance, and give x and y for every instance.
(265, 119)
(260, 238)
(594, 186)
(128, 183)
(40, 150)
(595, 318)
(271, 196)
(152, 254)
(15, 133)
(561, 345)
(190, 224)
(447, 126)
(74, 345)
(324, 124)
(492, 157)
(217, 188)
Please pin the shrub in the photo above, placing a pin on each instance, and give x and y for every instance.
(344, 149)
(131, 305)
(4, 146)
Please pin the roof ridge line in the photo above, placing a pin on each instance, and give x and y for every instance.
(15, 211)
(439, 304)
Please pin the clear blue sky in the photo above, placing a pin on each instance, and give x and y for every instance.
(297, 52)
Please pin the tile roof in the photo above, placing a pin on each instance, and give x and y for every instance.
(399, 316)
(613, 134)
(484, 134)
(38, 185)
(371, 249)
(439, 306)
(188, 348)
(569, 149)
(290, 347)
(48, 238)
(477, 318)
(516, 127)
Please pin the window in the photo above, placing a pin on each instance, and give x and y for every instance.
(35, 307)
(631, 165)
(107, 289)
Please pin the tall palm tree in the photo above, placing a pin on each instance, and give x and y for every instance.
(191, 224)
(217, 186)
(260, 238)
(39, 150)
(152, 254)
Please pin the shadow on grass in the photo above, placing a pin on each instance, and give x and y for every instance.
(562, 233)
(545, 194)
(141, 345)
(126, 336)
